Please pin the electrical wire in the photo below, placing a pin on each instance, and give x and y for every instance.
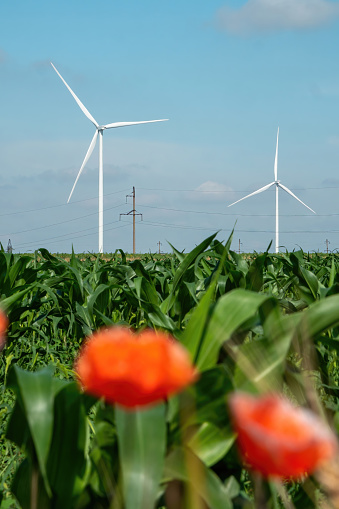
(171, 225)
(73, 235)
(60, 205)
(233, 214)
(161, 225)
(150, 189)
(61, 222)
(229, 190)
(68, 234)
(79, 233)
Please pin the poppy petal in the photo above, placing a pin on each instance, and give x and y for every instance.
(277, 439)
(133, 369)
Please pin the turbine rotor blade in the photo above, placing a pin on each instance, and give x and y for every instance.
(87, 156)
(125, 124)
(294, 196)
(276, 159)
(255, 192)
(81, 106)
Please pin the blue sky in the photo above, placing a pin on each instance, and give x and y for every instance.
(226, 74)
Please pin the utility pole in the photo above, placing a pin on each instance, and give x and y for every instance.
(159, 244)
(133, 213)
(240, 243)
(9, 246)
(327, 243)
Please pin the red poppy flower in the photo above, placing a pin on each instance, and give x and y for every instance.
(277, 439)
(133, 369)
(3, 327)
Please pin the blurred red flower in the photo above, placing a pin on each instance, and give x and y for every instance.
(3, 327)
(133, 369)
(277, 439)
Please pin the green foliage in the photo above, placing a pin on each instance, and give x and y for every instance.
(258, 322)
(142, 446)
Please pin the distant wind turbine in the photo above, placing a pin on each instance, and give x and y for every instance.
(277, 184)
(99, 131)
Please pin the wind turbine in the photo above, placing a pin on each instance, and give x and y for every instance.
(277, 184)
(98, 132)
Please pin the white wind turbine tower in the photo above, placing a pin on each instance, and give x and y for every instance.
(277, 184)
(99, 132)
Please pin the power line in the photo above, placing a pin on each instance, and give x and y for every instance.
(63, 236)
(167, 209)
(80, 234)
(60, 205)
(73, 235)
(234, 214)
(181, 226)
(150, 189)
(61, 222)
(68, 234)
(229, 190)
(214, 228)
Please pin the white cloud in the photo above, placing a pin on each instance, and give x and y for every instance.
(211, 191)
(274, 15)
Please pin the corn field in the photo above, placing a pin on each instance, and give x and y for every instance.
(258, 324)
